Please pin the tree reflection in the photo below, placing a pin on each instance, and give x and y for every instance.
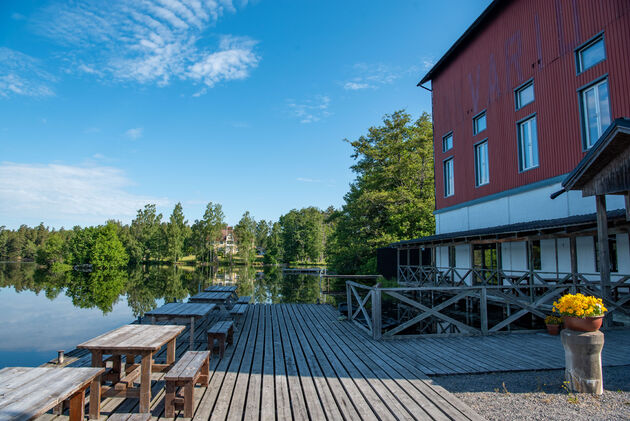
(145, 286)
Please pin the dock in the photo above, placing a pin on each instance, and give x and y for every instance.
(299, 361)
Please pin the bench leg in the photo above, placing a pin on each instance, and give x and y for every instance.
(204, 378)
(169, 407)
(145, 382)
(77, 406)
(222, 345)
(95, 387)
(188, 399)
(170, 351)
(192, 334)
(230, 336)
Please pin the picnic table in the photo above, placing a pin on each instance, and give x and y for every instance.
(131, 341)
(28, 392)
(178, 311)
(221, 298)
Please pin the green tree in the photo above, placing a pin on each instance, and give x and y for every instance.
(273, 252)
(108, 252)
(302, 235)
(52, 251)
(245, 233)
(263, 229)
(392, 197)
(177, 230)
(146, 229)
(206, 232)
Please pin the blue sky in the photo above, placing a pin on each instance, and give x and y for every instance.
(106, 106)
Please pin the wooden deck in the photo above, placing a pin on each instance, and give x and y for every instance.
(298, 361)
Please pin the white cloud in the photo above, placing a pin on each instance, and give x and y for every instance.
(77, 194)
(428, 62)
(21, 74)
(308, 180)
(135, 133)
(310, 110)
(148, 41)
(373, 76)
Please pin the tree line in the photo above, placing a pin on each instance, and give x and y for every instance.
(391, 199)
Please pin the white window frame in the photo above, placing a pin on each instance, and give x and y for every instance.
(587, 141)
(581, 49)
(532, 148)
(476, 118)
(449, 183)
(481, 163)
(517, 92)
(444, 141)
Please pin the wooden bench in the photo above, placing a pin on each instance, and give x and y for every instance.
(244, 299)
(193, 368)
(144, 416)
(221, 331)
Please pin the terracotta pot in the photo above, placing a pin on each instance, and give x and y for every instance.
(586, 324)
(553, 329)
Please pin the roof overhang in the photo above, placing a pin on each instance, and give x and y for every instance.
(606, 167)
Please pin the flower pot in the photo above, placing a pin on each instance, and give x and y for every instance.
(553, 329)
(583, 324)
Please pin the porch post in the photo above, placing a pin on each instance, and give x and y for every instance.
(574, 268)
(397, 264)
(604, 252)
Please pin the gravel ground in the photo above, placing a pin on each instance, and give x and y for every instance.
(539, 395)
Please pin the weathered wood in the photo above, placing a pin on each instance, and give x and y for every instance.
(26, 393)
(132, 338)
(376, 314)
(603, 249)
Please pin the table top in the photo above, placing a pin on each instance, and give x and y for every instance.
(221, 288)
(134, 338)
(210, 296)
(182, 310)
(27, 392)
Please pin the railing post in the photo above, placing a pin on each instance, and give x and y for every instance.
(349, 298)
(376, 313)
(483, 308)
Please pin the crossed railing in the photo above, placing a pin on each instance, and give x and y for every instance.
(521, 292)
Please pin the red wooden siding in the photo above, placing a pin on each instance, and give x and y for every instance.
(528, 39)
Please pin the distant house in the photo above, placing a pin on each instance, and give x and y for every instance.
(227, 242)
(518, 102)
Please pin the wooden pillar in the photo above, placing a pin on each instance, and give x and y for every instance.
(574, 265)
(376, 313)
(397, 265)
(483, 308)
(627, 198)
(349, 301)
(602, 243)
(499, 264)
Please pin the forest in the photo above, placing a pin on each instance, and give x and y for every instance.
(391, 198)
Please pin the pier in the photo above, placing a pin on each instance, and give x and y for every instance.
(299, 361)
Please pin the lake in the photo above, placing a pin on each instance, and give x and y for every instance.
(44, 312)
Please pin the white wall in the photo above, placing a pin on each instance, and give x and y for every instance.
(531, 205)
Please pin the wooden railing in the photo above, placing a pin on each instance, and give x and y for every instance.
(520, 293)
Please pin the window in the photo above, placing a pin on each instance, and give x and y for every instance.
(595, 111)
(447, 142)
(449, 178)
(482, 175)
(451, 256)
(479, 123)
(536, 260)
(612, 250)
(591, 54)
(524, 95)
(527, 144)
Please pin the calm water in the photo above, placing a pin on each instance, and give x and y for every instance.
(42, 313)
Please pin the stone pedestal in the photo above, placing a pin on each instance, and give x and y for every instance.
(583, 357)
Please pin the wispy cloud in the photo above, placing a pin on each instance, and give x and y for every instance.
(427, 62)
(374, 76)
(21, 74)
(149, 41)
(85, 194)
(310, 110)
(308, 180)
(135, 133)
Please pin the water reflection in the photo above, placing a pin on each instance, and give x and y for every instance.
(43, 312)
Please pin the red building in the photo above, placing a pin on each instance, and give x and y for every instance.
(518, 101)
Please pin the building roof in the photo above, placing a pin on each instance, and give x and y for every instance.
(514, 230)
(610, 144)
(483, 19)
